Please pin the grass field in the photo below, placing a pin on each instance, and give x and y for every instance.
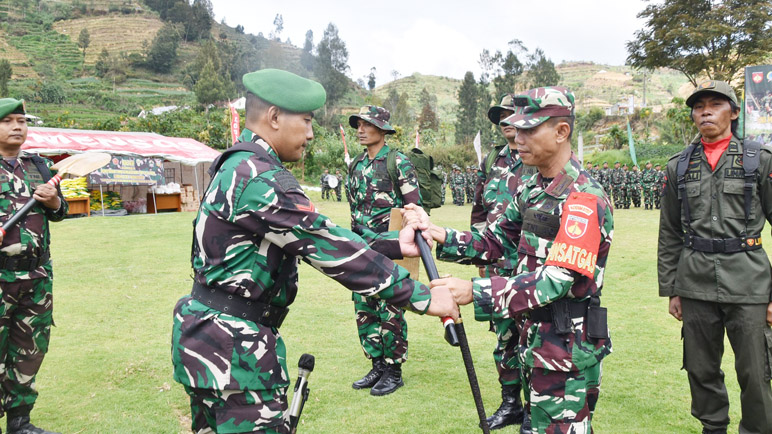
(117, 280)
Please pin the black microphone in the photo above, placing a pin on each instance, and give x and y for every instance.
(299, 397)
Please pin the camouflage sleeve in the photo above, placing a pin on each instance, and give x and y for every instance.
(499, 241)
(385, 243)
(509, 297)
(479, 214)
(283, 215)
(670, 243)
(408, 181)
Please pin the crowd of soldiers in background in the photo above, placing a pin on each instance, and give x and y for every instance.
(331, 183)
(461, 184)
(629, 186)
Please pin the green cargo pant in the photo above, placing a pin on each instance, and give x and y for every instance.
(751, 340)
(564, 402)
(26, 315)
(382, 329)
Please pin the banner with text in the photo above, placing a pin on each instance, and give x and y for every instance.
(123, 170)
(758, 103)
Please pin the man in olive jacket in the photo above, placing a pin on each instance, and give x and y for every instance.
(711, 264)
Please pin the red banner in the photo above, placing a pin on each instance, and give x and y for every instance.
(234, 124)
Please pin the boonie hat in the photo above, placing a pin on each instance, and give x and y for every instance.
(375, 115)
(507, 103)
(285, 90)
(10, 105)
(537, 105)
(712, 86)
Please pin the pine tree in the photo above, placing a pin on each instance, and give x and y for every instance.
(6, 72)
(163, 50)
(466, 118)
(332, 65)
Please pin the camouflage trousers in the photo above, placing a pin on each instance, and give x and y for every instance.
(506, 354)
(469, 194)
(337, 192)
(649, 196)
(26, 316)
(442, 200)
(634, 194)
(563, 402)
(326, 192)
(620, 198)
(234, 370)
(382, 329)
(458, 195)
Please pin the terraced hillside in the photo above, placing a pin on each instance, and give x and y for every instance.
(116, 33)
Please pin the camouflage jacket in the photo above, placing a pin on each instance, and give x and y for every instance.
(649, 177)
(536, 283)
(617, 176)
(30, 237)
(256, 222)
(470, 178)
(372, 194)
(457, 180)
(661, 177)
(604, 176)
(492, 195)
(633, 178)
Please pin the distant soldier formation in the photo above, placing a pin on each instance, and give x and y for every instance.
(629, 186)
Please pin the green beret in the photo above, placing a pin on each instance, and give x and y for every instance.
(10, 105)
(285, 90)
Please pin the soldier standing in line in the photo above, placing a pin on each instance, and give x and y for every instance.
(26, 274)
(339, 177)
(660, 186)
(444, 175)
(325, 186)
(618, 178)
(559, 210)
(588, 169)
(469, 184)
(373, 192)
(634, 186)
(254, 224)
(649, 183)
(604, 177)
(711, 264)
(500, 175)
(457, 183)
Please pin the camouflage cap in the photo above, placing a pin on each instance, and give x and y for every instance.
(10, 105)
(539, 104)
(375, 115)
(712, 86)
(507, 103)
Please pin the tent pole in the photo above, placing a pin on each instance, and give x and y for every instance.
(102, 199)
(155, 205)
(195, 172)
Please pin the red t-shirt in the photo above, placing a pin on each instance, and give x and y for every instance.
(714, 151)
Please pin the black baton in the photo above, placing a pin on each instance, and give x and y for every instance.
(455, 332)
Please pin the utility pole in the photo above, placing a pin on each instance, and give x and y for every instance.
(644, 88)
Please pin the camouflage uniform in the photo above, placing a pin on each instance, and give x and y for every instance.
(338, 187)
(325, 187)
(618, 178)
(382, 327)
(26, 280)
(634, 187)
(604, 177)
(457, 185)
(649, 182)
(660, 185)
(254, 224)
(565, 368)
(470, 178)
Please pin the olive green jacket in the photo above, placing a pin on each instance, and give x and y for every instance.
(716, 205)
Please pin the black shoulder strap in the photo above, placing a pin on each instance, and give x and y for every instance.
(681, 168)
(751, 157)
(356, 161)
(45, 172)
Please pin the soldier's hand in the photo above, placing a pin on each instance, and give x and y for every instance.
(675, 308)
(407, 244)
(48, 196)
(442, 304)
(460, 288)
(769, 309)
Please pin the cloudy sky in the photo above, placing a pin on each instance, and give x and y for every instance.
(440, 38)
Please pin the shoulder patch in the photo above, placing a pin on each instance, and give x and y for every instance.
(578, 241)
(286, 181)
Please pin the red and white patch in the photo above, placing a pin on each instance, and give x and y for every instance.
(757, 77)
(307, 208)
(578, 241)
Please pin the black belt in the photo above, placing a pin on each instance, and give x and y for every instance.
(255, 311)
(722, 245)
(23, 263)
(576, 309)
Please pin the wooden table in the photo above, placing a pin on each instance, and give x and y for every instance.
(79, 205)
(171, 201)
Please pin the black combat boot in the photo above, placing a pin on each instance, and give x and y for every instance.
(390, 381)
(371, 377)
(525, 428)
(22, 425)
(713, 431)
(510, 411)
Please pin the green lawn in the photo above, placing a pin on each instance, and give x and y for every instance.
(117, 279)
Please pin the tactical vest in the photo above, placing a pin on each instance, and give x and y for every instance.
(751, 158)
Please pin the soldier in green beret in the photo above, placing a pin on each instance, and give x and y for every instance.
(254, 225)
(26, 275)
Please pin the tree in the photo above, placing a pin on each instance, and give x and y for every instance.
(102, 64)
(307, 55)
(210, 86)
(211, 69)
(278, 27)
(541, 70)
(163, 50)
(371, 79)
(468, 101)
(6, 72)
(427, 120)
(332, 65)
(713, 38)
(84, 40)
